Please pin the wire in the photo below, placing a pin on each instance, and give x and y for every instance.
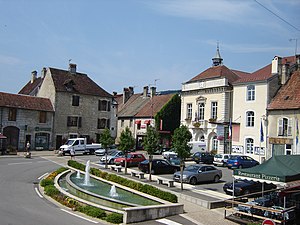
(277, 16)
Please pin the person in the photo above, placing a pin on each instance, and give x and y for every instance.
(72, 153)
(28, 146)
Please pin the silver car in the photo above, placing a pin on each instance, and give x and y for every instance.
(198, 173)
(111, 157)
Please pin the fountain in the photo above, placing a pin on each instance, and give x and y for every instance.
(87, 174)
(78, 174)
(113, 192)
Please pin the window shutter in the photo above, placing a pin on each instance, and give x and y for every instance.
(108, 123)
(108, 106)
(290, 125)
(79, 121)
(280, 127)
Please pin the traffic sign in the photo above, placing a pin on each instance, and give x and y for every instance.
(268, 222)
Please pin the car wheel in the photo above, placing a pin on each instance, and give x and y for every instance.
(216, 179)
(240, 166)
(111, 161)
(193, 181)
(152, 171)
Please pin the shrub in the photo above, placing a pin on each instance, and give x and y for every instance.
(114, 218)
(93, 211)
(51, 190)
(45, 182)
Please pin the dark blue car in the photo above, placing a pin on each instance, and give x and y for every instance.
(241, 161)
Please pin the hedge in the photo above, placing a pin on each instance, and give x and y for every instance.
(145, 188)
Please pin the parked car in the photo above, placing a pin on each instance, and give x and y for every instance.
(241, 161)
(174, 160)
(159, 166)
(101, 151)
(161, 150)
(221, 159)
(244, 187)
(133, 159)
(111, 157)
(168, 154)
(203, 157)
(198, 173)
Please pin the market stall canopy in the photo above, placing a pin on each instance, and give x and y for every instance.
(283, 170)
(2, 136)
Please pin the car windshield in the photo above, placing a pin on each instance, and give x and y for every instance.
(69, 142)
(218, 156)
(192, 168)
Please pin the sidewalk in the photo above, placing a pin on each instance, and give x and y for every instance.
(193, 212)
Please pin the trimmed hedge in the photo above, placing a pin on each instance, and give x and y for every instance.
(53, 192)
(145, 188)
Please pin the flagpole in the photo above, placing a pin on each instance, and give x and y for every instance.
(260, 142)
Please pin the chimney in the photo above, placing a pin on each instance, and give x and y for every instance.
(145, 91)
(152, 92)
(276, 65)
(72, 68)
(43, 72)
(298, 61)
(33, 76)
(285, 72)
(127, 93)
(115, 93)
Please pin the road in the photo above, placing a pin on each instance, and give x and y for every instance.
(21, 204)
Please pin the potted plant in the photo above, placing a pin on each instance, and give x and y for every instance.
(196, 124)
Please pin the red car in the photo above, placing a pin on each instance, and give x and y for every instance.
(133, 159)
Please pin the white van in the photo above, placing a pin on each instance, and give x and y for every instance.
(197, 146)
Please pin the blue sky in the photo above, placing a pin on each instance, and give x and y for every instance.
(121, 43)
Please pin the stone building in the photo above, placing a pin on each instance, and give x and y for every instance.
(284, 110)
(26, 119)
(82, 108)
(206, 106)
(138, 111)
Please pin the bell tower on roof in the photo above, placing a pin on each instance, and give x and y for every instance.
(217, 60)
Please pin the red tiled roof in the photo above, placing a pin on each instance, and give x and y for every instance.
(263, 73)
(288, 96)
(29, 87)
(216, 72)
(154, 105)
(25, 102)
(82, 84)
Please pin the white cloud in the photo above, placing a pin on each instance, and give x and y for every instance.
(9, 60)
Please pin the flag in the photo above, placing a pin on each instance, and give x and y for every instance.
(297, 132)
(261, 132)
(161, 125)
(230, 129)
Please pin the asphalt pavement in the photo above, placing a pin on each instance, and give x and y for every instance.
(194, 200)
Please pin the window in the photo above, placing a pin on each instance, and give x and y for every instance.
(189, 111)
(201, 111)
(104, 105)
(250, 93)
(249, 145)
(122, 123)
(43, 117)
(250, 119)
(12, 114)
(214, 110)
(103, 123)
(215, 143)
(74, 121)
(75, 100)
(284, 127)
(130, 123)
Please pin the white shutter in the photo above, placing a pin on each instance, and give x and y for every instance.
(290, 125)
(280, 127)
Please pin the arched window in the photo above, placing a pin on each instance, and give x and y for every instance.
(250, 119)
(285, 127)
(250, 93)
(249, 145)
(215, 143)
(202, 138)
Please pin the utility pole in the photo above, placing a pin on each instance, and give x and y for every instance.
(296, 44)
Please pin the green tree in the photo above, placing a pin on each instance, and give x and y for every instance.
(180, 140)
(106, 140)
(126, 143)
(151, 144)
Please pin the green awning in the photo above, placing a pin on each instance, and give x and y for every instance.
(279, 169)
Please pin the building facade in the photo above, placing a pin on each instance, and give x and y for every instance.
(26, 119)
(82, 108)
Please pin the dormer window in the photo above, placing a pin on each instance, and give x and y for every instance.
(69, 84)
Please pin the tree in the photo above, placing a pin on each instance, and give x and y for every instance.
(180, 140)
(151, 144)
(126, 142)
(106, 140)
